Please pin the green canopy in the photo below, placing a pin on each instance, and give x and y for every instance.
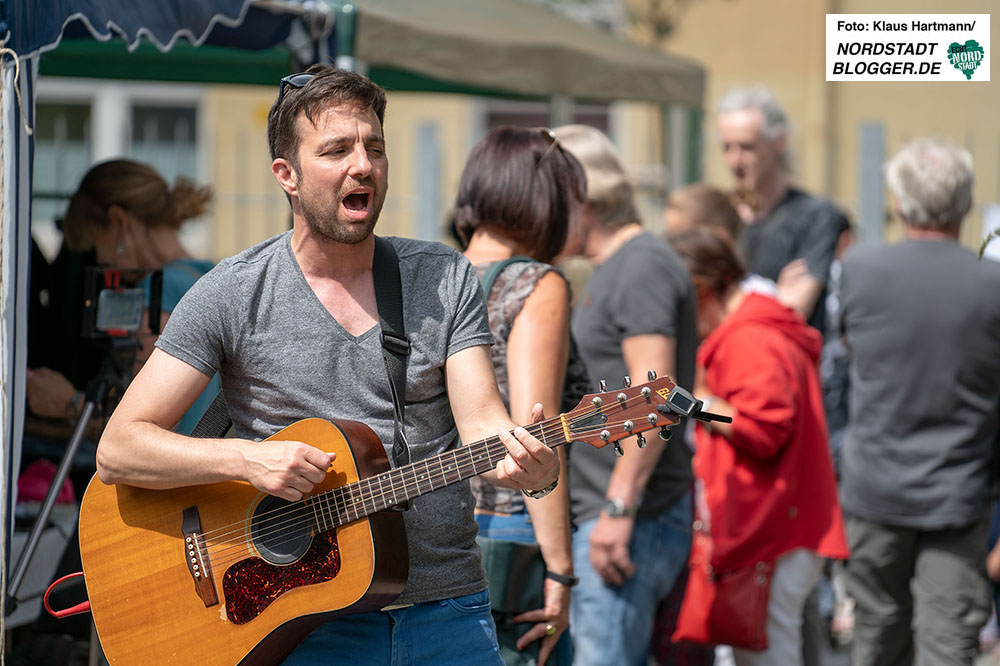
(507, 47)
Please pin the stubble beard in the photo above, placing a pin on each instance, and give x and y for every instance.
(322, 221)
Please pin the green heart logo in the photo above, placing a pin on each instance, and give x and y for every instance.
(966, 57)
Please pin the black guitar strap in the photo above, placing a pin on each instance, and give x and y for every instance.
(215, 422)
(395, 344)
(395, 350)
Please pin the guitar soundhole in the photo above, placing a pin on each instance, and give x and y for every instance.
(281, 530)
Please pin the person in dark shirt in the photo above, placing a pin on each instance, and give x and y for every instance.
(633, 513)
(786, 228)
(920, 319)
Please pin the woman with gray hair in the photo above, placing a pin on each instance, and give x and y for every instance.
(633, 512)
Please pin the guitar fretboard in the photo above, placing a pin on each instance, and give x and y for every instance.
(372, 494)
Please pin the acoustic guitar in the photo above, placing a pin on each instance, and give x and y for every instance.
(225, 574)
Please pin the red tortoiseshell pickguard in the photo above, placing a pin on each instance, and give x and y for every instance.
(251, 585)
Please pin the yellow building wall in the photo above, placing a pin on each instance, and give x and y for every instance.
(250, 206)
(775, 42)
(453, 116)
(964, 112)
(781, 43)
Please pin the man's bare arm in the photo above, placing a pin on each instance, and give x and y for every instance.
(609, 540)
(139, 448)
(480, 413)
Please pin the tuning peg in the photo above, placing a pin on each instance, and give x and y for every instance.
(640, 440)
(666, 433)
(619, 451)
(627, 381)
(651, 375)
(602, 386)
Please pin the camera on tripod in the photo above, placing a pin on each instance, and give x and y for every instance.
(113, 305)
(113, 301)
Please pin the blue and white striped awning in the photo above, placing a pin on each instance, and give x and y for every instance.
(37, 26)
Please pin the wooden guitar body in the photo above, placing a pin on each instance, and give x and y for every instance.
(225, 574)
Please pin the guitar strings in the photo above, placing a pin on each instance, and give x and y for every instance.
(395, 472)
(397, 481)
(338, 511)
(400, 470)
(301, 513)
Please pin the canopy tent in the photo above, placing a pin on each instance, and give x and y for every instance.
(506, 47)
(490, 46)
(522, 48)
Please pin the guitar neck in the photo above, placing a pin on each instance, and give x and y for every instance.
(382, 491)
(598, 419)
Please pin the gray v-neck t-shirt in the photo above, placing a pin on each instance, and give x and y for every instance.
(282, 358)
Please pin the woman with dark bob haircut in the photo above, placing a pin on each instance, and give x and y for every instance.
(517, 202)
(524, 186)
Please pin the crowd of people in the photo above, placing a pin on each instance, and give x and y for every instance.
(705, 547)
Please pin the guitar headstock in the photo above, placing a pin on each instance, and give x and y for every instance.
(609, 416)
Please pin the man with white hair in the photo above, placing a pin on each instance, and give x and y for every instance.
(921, 319)
(784, 225)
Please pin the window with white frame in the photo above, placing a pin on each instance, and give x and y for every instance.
(80, 122)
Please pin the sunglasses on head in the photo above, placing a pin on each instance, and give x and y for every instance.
(549, 136)
(293, 80)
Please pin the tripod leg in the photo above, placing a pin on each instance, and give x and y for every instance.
(46, 509)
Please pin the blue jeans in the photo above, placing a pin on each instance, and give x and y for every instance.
(512, 527)
(613, 625)
(450, 632)
(517, 527)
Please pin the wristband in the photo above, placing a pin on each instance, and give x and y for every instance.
(539, 494)
(568, 581)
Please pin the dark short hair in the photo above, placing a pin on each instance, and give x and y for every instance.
(516, 182)
(328, 86)
(707, 205)
(711, 256)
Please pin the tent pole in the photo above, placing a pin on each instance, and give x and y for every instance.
(345, 27)
(560, 110)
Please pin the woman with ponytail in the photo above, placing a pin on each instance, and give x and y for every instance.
(131, 217)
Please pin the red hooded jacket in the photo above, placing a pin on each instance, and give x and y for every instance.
(770, 489)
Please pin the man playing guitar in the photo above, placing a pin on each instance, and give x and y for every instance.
(292, 327)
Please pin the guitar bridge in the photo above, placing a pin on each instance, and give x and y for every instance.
(196, 557)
